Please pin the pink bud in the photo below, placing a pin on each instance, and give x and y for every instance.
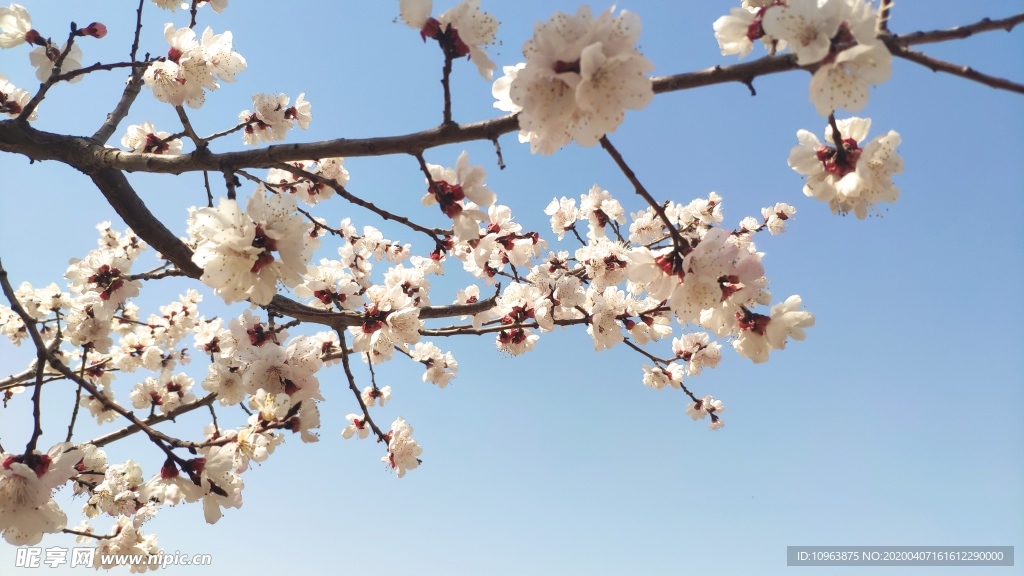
(96, 30)
(33, 37)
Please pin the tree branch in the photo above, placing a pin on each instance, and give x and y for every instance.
(960, 32)
(41, 353)
(677, 238)
(87, 155)
(433, 233)
(129, 430)
(967, 72)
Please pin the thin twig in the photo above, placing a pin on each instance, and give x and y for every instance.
(497, 150)
(67, 76)
(209, 193)
(189, 131)
(41, 355)
(882, 23)
(960, 32)
(381, 437)
(26, 112)
(138, 31)
(967, 72)
(213, 414)
(79, 533)
(433, 233)
(131, 89)
(129, 430)
(677, 238)
(78, 398)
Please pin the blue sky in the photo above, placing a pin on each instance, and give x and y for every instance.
(897, 422)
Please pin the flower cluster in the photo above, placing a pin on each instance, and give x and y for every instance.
(836, 35)
(853, 177)
(237, 249)
(450, 188)
(192, 66)
(146, 139)
(461, 31)
(27, 481)
(403, 451)
(319, 186)
(15, 29)
(273, 118)
(580, 76)
(44, 59)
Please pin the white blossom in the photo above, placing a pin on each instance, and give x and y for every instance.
(15, 24)
(237, 250)
(403, 450)
(146, 139)
(581, 75)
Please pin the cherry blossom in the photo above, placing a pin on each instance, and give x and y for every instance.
(776, 216)
(13, 99)
(855, 179)
(330, 285)
(357, 427)
(219, 56)
(473, 29)
(273, 117)
(441, 366)
(698, 351)
(403, 450)
(373, 396)
(657, 377)
(450, 187)
(128, 541)
(737, 31)
(105, 274)
(581, 75)
(759, 333)
(844, 82)
(237, 250)
(600, 209)
(191, 66)
(44, 58)
(699, 409)
(16, 26)
(310, 191)
(390, 317)
(808, 27)
(146, 139)
(27, 481)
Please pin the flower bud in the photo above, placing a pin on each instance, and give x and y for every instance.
(96, 30)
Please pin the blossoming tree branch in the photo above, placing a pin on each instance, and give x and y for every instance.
(671, 282)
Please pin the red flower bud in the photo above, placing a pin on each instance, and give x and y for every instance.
(96, 30)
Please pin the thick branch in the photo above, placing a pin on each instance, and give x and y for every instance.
(131, 91)
(84, 155)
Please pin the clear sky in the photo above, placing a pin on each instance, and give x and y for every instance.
(897, 422)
